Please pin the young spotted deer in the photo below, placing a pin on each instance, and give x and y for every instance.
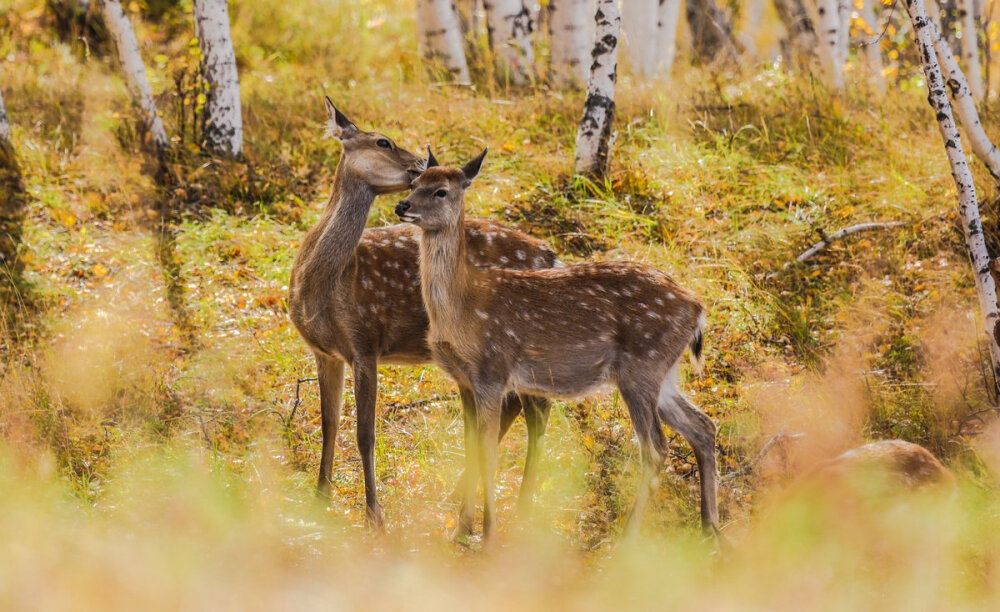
(355, 294)
(562, 332)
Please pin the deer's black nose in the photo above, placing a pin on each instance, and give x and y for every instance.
(402, 207)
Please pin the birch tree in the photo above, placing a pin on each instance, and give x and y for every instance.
(440, 36)
(667, 21)
(799, 27)
(832, 48)
(4, 121)
(223, 131)
(639, 28)
(123, 35)
(594, 135)
(510, 25)
(925, 32)
(964, 103)
(13, 201)
(873, 55)
(571, 29)
(711, 30)
(970, 47)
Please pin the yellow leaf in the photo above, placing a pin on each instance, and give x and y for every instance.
(99, 271)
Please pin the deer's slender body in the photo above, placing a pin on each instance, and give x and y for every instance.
(355, 294)
(562, 332)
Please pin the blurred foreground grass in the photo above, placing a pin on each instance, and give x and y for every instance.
(154, 454)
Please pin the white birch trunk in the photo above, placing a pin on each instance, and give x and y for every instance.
(509, 25)
(970, 47)
(593, 137)
(750, 25)
(962, 98)
(925, 32)
(873, 54)
(826, 15)
(639, 30)
(121, 31)
(223, 131)
(667, 22)
(571, 34)
(4, 121)
(441, 36)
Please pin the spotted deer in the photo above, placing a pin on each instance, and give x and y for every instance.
(355, 296)
(562, 332)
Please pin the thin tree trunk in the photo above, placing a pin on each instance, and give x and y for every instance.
(826, 15)
(668, 18)
(925, 31)
(4, 121)
(510, 26)
(639, 30)
(873, 54)
(223, 133)
(13, 201)
(801, 33)
(711, 30)
(750, 25)
(571, 28)
(594, 136)
(964, 103)
(970, 47)
(441, 36)
(127, 45)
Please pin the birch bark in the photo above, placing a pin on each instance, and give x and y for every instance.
(668, 19)
(441, 36)
(801, 33)
(594, 135)
(965, 105)
(970, 47)
(873, 54)
(924, 31)
(223, 133)
(127, 45)
(639, 27)
(828, 24)
(4, 121)
(510, 25)
(571, 34)
(711, 30)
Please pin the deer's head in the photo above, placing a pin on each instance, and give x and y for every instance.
(438, 194)
(372, 157)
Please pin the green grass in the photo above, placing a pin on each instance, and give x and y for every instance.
(146, 413)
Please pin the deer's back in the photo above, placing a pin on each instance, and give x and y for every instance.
(377, 307)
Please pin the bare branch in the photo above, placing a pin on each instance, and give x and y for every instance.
(847, 231)
(780, 437)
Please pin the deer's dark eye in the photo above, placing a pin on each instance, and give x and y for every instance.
(440, 193)
(382, 142)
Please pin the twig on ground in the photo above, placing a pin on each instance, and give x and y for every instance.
(298, 400)
(752, 464)
(827, 240)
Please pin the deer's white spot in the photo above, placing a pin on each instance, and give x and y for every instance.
(482, 315)
(521, 255)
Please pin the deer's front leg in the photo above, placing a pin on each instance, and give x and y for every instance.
(365, 392)
(489, 401)
(331, 389)
(470, 477)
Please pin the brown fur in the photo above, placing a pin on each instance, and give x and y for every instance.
(560, 332)
(355, 294)
(904, 464)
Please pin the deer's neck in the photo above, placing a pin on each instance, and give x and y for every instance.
(444, 276)
(337, 234)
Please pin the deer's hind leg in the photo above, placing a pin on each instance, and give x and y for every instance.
(536, 415)
(699, 430)
(641, 402)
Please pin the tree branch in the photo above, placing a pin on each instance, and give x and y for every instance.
(847, 231)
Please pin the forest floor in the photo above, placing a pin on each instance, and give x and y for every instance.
(160, 428)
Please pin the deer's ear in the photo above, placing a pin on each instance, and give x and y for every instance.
(431, 161)
(337, 124)
(471, 169)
